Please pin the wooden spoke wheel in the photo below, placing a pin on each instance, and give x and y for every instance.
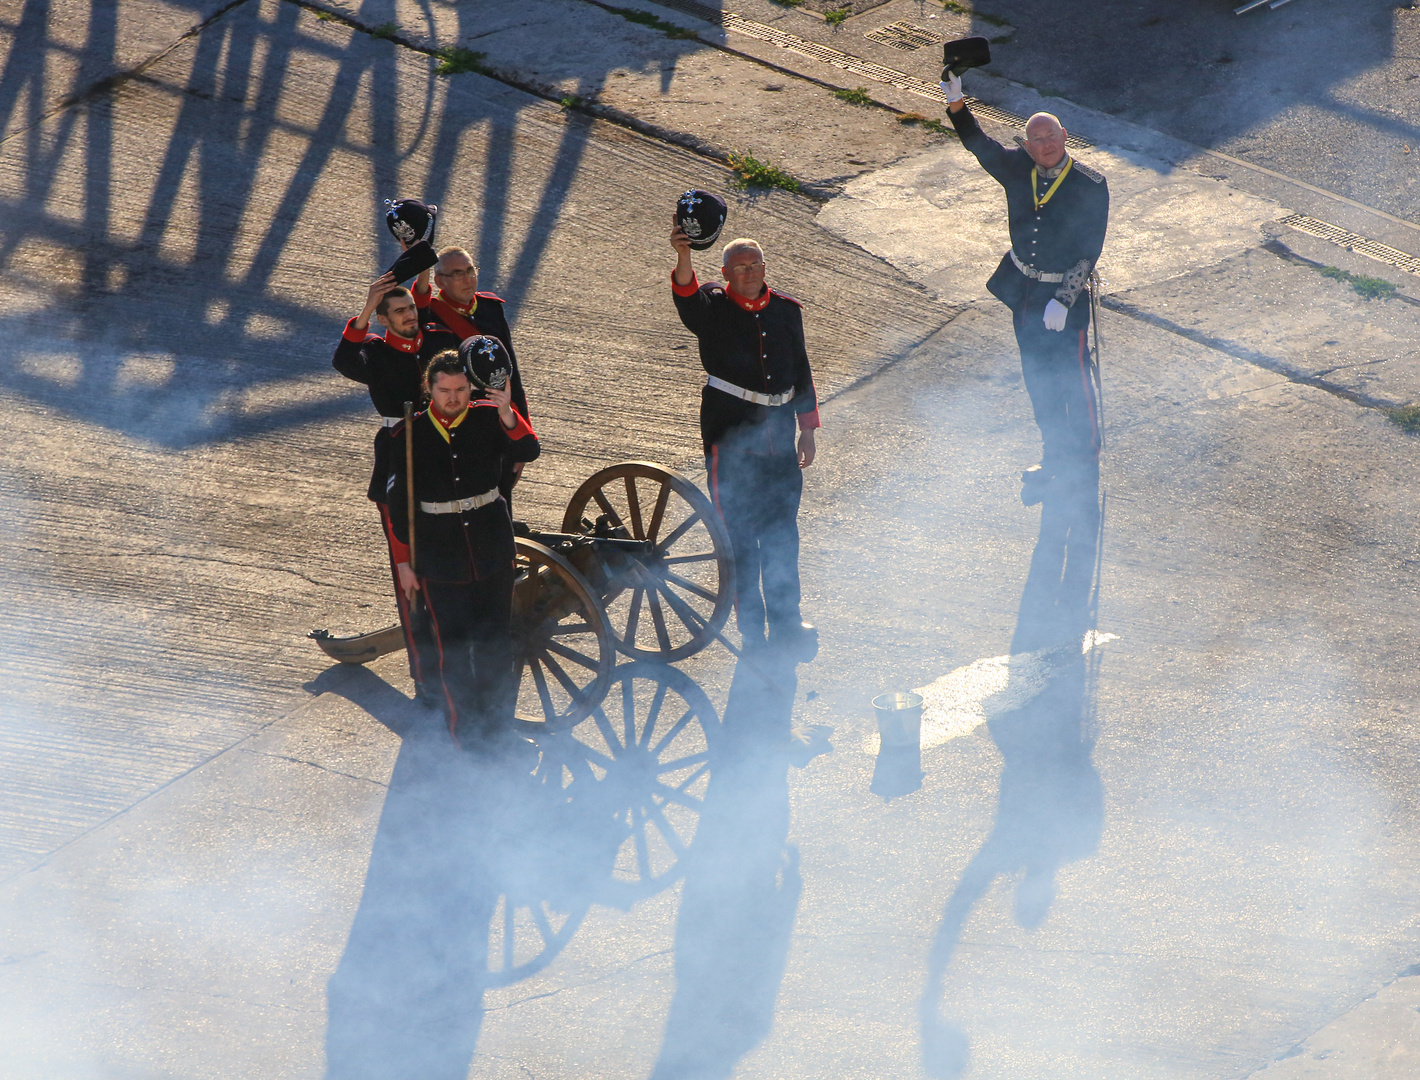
(637, 771)
(561, 642)
(669, 604)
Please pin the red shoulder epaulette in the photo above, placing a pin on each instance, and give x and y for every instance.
(489, 296)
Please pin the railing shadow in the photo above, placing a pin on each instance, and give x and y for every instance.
(188, 344)
(1051, 804)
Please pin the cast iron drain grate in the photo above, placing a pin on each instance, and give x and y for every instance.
(904, 35)
(1361, 245)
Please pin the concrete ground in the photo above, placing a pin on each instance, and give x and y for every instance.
(1162, 822)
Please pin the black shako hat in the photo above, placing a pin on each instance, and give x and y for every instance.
(413, 261)
(702, 215)
(958, 56)
(410, 220)
(486, 362)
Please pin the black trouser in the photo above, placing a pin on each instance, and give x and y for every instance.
(758, 499)
(471, 624)
(413, 619)
(1056, 366)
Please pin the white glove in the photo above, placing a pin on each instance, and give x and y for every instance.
(1055, 315)
(951, 86)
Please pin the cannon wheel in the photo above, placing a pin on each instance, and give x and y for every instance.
(561, 641)
(637, 773)
(671, 605)
(623, 791)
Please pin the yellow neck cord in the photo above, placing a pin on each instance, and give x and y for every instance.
(1035, 184)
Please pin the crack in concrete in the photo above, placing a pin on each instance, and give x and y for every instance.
(1251, 356)
(112, 82)
(312, 764)
(621, 968)
(191, 558)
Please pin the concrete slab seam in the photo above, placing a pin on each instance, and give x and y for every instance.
(592, 109)
(209, 759)
(118, 78)
(911, 84)
(1251, 356)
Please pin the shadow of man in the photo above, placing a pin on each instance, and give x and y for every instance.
(406, 1000)
(1051, 804)
(742, 886)
(482, 870)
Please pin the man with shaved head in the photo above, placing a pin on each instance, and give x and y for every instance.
(1058, 210)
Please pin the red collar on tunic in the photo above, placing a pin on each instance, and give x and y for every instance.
(404, 344)
(759, 303)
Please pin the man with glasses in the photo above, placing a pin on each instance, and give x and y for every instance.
(1058, 210)
(758, 396)
(461, 309)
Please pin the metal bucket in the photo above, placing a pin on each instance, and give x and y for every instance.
(899, 718)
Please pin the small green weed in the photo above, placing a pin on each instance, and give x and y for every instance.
(787, 3)
(753, 173)
(458, 61)
(1407, 418)
(857, 96)
(926, 122)
(837, 16)
(571, 101)
(385, 31)
(1372, 288)
(328, 16)
(655, 22)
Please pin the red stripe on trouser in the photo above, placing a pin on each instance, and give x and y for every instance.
(439, 642)
(1089, 398)
(715, 498)
(416, 664)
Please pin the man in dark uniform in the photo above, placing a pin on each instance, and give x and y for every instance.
(461, 309)
(392, 366)
(463, 536)
(1058, 211)
(758, 396)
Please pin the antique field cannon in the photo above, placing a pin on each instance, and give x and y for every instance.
(641, 567)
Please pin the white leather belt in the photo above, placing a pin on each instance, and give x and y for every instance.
(1031, 272)
(462, 504)
(749, 395)
(391, 421)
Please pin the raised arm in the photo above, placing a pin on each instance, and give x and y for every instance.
(692, 305)
(992, 155)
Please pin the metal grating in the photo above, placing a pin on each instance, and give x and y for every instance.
(904, 35)
(847, 62)
(1372, 249)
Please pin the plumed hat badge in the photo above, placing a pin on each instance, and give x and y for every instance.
(702, 215)
(412, 223)
(486, 362)
(410, 220)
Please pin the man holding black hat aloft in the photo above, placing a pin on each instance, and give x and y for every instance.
(461, 309)
(1058, 210)
(463, 536)
(392, 366)
(759, 395)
